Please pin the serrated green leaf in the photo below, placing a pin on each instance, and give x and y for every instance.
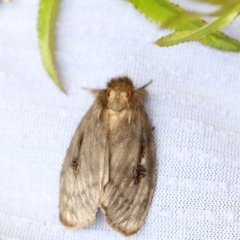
(47, 15)
(218, 2)
(160, 11)
(183, 36)
(181, 19)
(185, 17)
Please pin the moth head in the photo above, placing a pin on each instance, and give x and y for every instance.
(122, 95)
(119, 95)
(119, 91)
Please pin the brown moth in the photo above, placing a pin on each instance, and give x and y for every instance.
(110, 162)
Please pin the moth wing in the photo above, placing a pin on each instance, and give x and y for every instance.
(125, 202)
(79, 184)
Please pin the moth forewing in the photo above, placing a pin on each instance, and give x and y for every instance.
(110, 162)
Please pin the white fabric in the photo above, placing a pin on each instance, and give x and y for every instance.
(194, 104)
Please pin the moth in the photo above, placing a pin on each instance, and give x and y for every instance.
(110, 163)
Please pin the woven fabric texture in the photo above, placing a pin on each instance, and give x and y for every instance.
(194, 105)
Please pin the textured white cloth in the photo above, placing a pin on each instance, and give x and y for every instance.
(194, 104)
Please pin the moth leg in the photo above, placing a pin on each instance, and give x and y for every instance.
(75, 161)
(139, 172)
(142, 152)
(74, 166)
(138, 178)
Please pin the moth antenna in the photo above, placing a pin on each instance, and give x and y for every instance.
(93, 91)
(144, 86)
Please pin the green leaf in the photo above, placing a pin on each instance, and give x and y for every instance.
(217, 2)
(182, 18)
(161, 11)
(225, 19)
(187, 17)
(47, 15)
